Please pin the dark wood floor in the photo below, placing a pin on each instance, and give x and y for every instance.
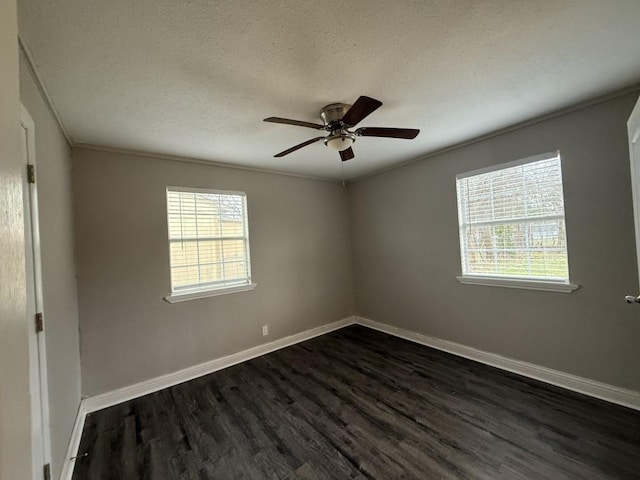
(361, 404)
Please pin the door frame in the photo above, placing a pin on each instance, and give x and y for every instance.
(633, 129)
(39, 390)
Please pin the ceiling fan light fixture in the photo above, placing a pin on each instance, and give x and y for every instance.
(339, 142)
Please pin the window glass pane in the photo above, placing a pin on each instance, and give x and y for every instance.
(208, 226)
(512, 222)
(184, 252)
(208, 240)
(233, 250)
(213, 272)
(210, 251)
(185, 276)
(235, 269)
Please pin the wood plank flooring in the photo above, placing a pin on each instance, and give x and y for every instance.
(361, 404)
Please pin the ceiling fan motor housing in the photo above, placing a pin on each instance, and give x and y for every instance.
(333, 113)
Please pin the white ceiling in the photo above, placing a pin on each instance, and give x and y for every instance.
(195, 78)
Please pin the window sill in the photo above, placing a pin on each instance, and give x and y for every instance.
(517, 283)
(183, 297)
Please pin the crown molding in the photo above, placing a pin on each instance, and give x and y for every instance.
(37, 78)
(197, 161)
(518, 126)
(31, 63)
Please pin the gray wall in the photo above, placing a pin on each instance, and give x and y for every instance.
(406, 248)
(300, 258)
(15, 415)
(60, 297)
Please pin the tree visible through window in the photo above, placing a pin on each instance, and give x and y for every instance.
(208, 239)
(512, 221)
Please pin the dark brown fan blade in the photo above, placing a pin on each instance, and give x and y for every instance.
(347, 154)
(298, 123)
(408, 133)
(297, 147)
(363, 107)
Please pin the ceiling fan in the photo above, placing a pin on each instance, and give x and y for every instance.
(338, 119)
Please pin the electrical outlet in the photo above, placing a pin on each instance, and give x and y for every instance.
(265, 330)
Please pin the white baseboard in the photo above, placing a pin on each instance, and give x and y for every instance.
(603, 391)
(74, 443)
(109, 399)
(104, 400)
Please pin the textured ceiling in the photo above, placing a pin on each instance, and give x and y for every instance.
(194, 78)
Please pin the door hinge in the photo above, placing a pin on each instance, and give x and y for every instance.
(46, 470)
(31, 173)
(39, 322)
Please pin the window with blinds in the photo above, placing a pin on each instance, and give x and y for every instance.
(208, 239)
(512, 221)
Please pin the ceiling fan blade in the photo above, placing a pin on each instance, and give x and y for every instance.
(298, 147)
(346, 154)
(408, 133)
(363, 107)
(298, 123)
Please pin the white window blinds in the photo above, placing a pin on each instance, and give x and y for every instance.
(512, 220)
(208, 239)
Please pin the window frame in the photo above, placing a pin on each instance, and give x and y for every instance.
(209, 290)
(530, 283)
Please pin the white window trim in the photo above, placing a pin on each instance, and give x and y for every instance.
(515, 163)
(511, 282)
(205, 190)
(196, 293)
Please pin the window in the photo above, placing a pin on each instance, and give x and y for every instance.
(512, 228)
(208, 243)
